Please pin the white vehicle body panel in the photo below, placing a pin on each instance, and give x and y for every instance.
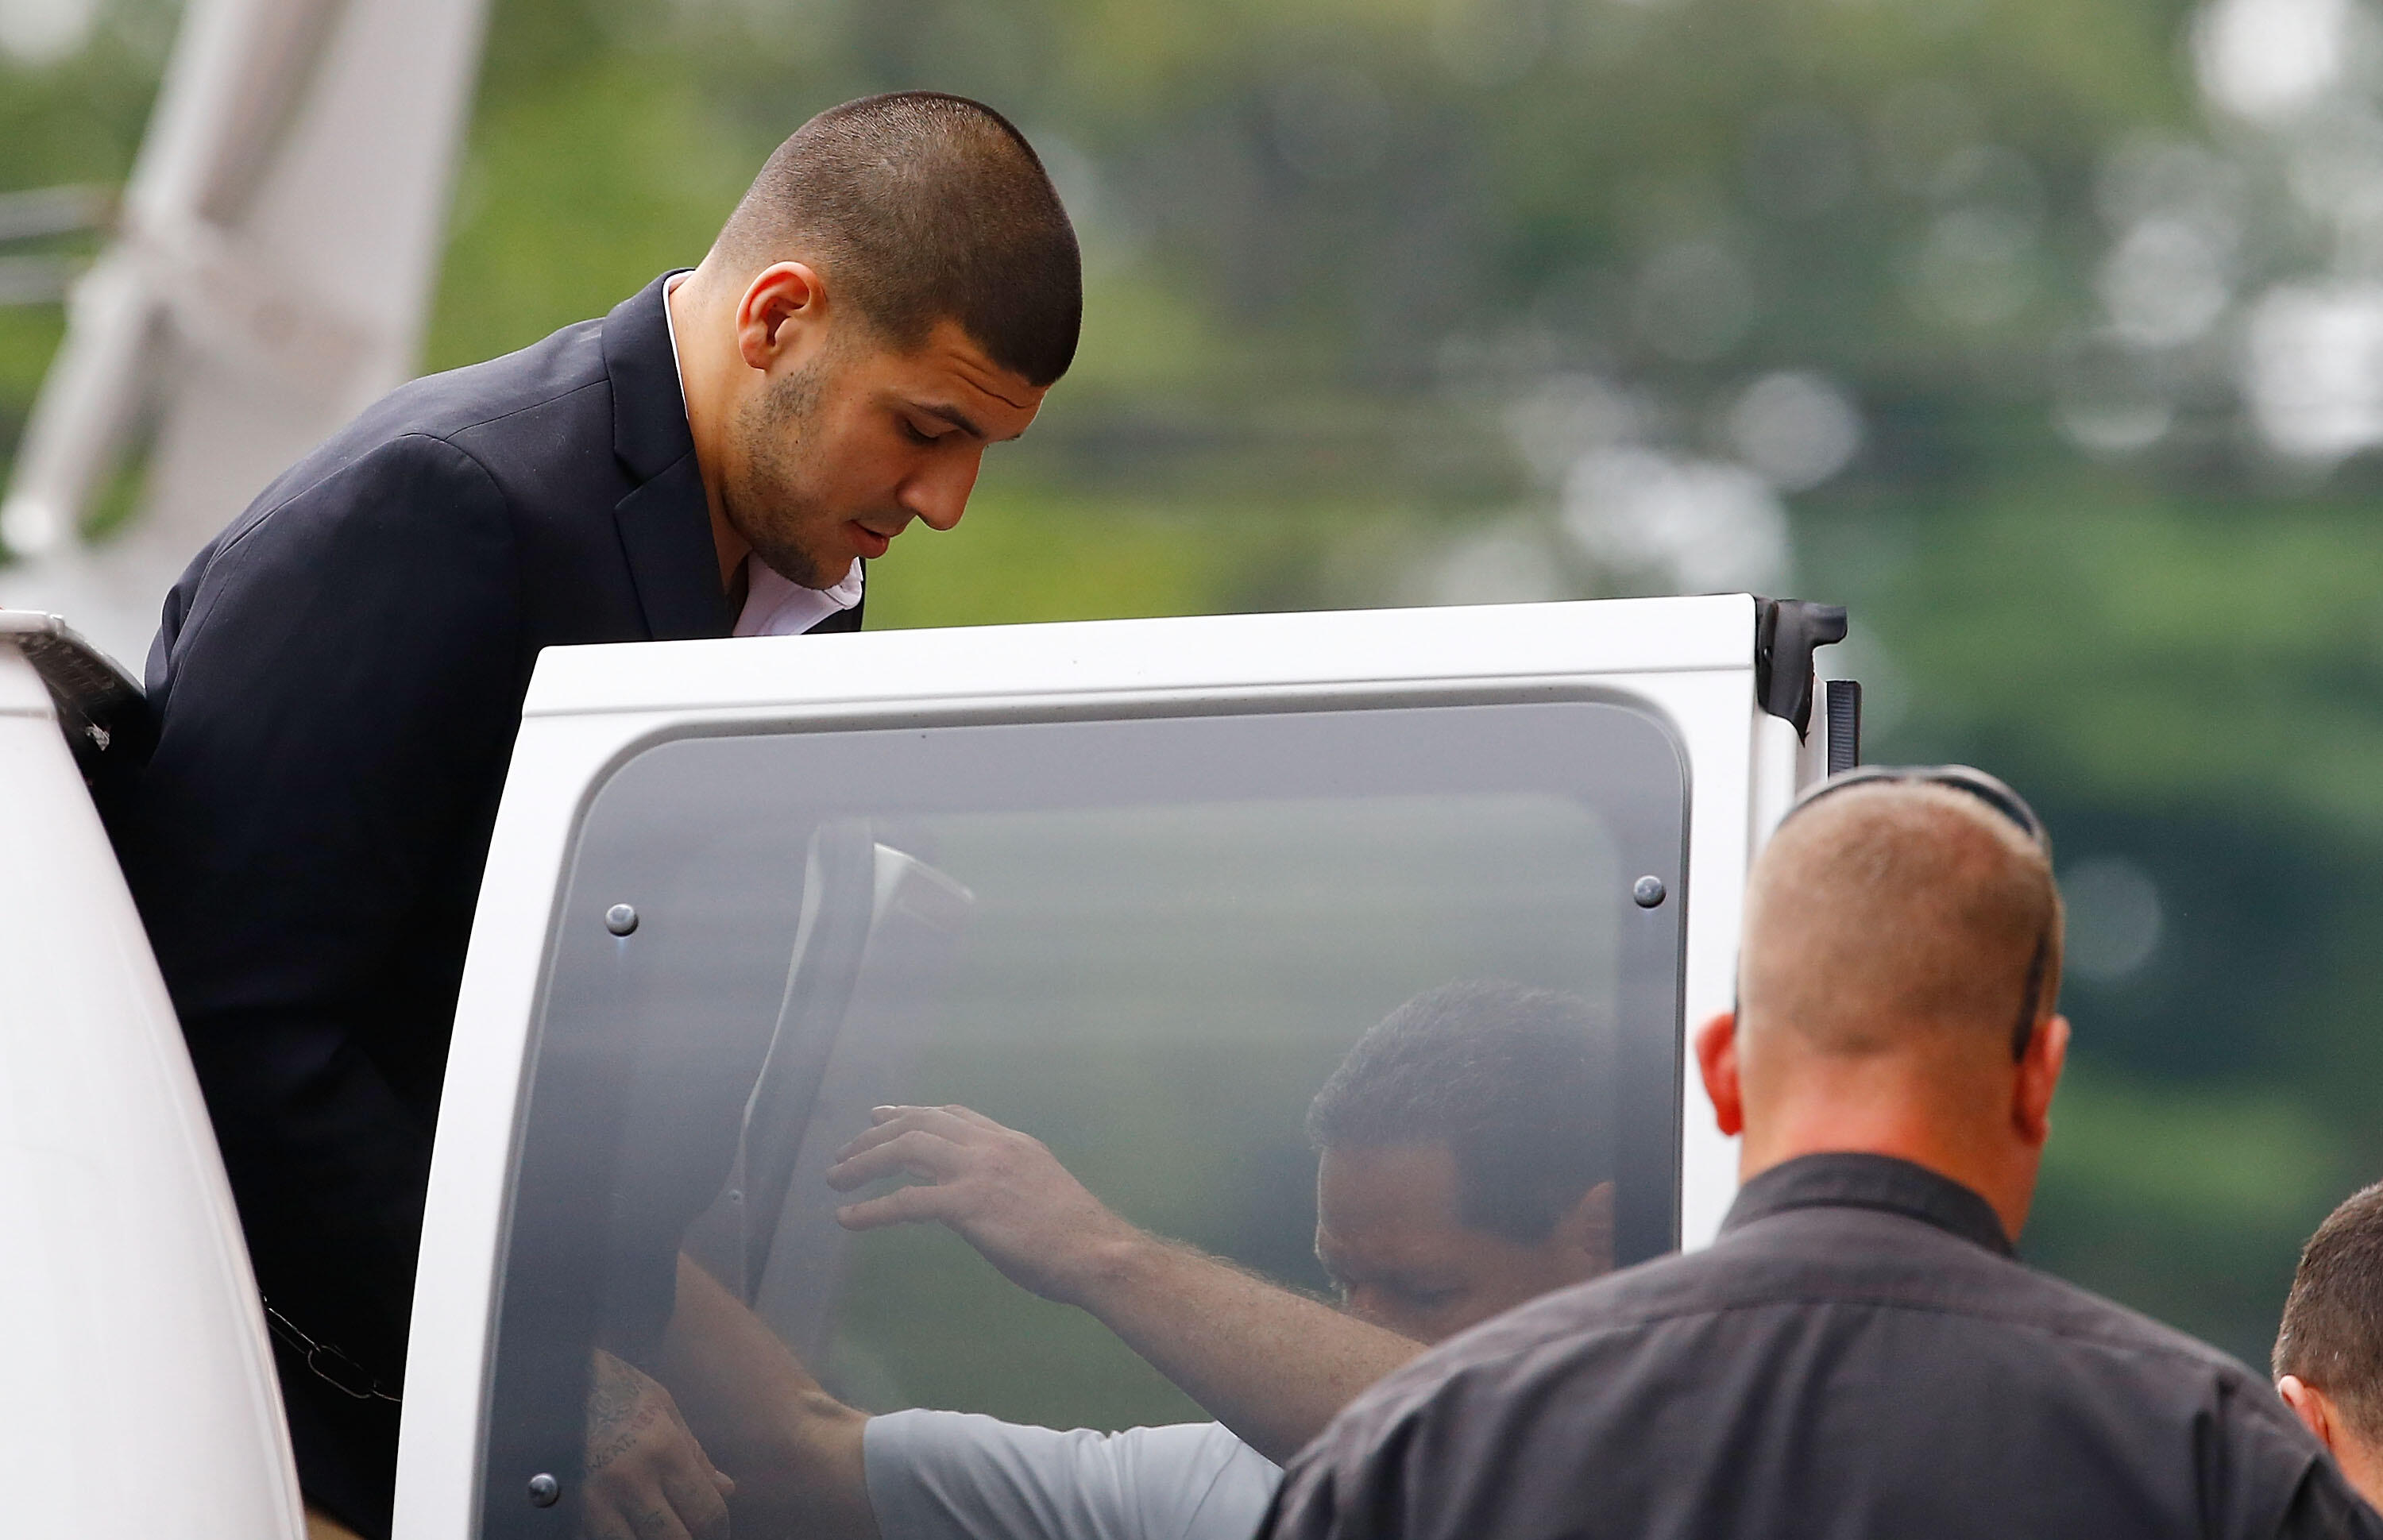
(145, 1399)
(590, 709)
(141, 1396)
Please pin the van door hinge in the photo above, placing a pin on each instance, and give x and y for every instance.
(1787, 633)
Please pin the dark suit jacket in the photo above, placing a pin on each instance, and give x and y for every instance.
(335, 688)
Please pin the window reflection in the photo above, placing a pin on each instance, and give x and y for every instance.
(1055, 1169)
(1466, 1167)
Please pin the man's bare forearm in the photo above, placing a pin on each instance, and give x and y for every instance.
(794, 1450)
(1273, 1365)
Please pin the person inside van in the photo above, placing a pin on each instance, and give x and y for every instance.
(2329, 1360)
(1465, 1166)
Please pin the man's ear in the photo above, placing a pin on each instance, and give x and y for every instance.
(1587, 1228)
(2309, 1404)
(2038, 1078)
(781, 313)
(1716, 1046)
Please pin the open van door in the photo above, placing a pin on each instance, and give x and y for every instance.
(141, 1393)
(1132, 887)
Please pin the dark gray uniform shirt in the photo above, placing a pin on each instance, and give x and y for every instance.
(1857, 1355)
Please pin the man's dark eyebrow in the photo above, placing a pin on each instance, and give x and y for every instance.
(953, 415)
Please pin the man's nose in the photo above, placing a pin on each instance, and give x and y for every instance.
(939, 493)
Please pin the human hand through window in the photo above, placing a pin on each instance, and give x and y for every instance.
(646, 1477)
(1003, 1190)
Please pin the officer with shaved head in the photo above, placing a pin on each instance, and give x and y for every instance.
(1860, 1353)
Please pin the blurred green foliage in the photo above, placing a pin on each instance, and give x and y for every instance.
(1333, 246)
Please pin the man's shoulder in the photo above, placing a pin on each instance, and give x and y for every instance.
(487, 408)
(1956, 1361)
(1173, 1448)
(937, 1475)
(1861, 1263)
(478, 435)
(1862, 1257)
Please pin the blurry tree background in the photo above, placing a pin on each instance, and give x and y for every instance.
(2046, 334)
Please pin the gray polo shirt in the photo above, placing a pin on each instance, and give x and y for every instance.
(949, 1475)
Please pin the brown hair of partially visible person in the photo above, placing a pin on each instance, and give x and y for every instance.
(1895, 905)
(1517, 1081)
(924, 207)
(2332, 1333)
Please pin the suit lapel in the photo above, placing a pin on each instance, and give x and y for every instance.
(665, 523)
(677, 578)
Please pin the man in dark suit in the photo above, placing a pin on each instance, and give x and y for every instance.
(339, 675)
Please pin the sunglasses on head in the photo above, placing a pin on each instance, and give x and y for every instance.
(1995, 794)
(1990, 790)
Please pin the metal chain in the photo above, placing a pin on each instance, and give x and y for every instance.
(317, 1354)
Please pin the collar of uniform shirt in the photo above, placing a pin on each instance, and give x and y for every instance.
(1850, 1180)
(773, 606)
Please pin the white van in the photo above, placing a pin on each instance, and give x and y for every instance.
(1132, 886)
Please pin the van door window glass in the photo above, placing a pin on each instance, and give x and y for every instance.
(1145, 945)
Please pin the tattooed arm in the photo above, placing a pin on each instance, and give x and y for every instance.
(648, 1479)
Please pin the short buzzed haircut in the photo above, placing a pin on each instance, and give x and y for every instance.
(2332, 1333)
(1517, 1081)
(924, 207)
(1897, 906)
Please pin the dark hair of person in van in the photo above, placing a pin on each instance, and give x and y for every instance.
(1517, 1083)
(924, 207)
(2332, 1333)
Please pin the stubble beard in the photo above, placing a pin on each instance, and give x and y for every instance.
(779, 502)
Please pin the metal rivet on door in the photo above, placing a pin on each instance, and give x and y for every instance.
(1647, 890)
(543, 1490)
(620, 920)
